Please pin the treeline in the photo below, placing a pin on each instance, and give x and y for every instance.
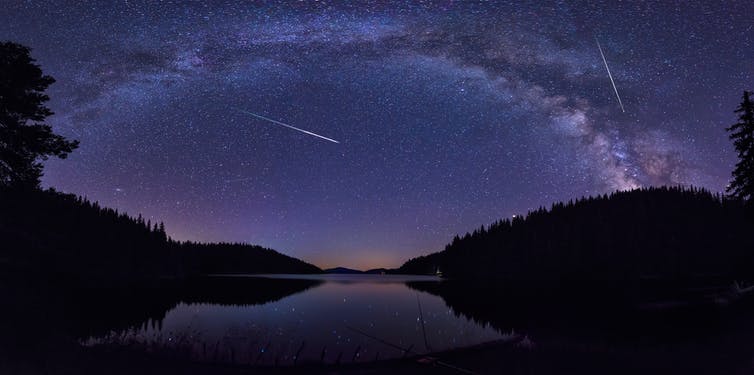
(239, 258)
(50, 234)
(665, 233)
(68, 237)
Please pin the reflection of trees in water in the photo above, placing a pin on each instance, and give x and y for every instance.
(243, 290)
(239, 344)
(38, 317)
(595, 315)
(597, 336)
(136, 308)
(479, 303)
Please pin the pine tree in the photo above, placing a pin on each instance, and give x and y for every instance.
(161, 231)
(25, 140)
(742, 134)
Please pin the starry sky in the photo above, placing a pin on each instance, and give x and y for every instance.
(449, 115)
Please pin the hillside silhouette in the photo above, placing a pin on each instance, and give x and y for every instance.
(666, 234)
(48, 234)
(239, 258)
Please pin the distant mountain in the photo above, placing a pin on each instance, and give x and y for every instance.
(378, 271)
(667, 233)
(343, 270)
(50, 234)
(374, 271)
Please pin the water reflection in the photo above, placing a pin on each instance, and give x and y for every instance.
(296, 319)
(575, 314)
(311, 325)
(597, 333)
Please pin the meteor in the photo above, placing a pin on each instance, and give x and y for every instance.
(610, 75)
(287, 126)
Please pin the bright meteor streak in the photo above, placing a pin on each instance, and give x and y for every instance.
(287, 126)
(610, 75)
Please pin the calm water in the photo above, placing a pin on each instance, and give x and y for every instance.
(312, 321)
(268, 320)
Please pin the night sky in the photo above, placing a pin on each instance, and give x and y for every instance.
(448, 116)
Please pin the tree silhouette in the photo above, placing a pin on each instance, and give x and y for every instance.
(673, 234)
(742, 134)
(44, 233)
(25, 140)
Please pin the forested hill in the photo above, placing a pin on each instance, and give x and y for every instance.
(49, 234)
(667, 233)
(235, 258)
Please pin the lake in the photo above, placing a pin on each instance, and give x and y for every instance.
(287, 319)
(301, 319)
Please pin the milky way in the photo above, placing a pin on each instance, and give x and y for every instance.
(449, 115)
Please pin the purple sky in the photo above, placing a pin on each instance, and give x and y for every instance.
(449, 116)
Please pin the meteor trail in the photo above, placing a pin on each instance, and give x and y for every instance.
(610, 75)
(286, 125)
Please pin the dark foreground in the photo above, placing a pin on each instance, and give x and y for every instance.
(493, 358)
